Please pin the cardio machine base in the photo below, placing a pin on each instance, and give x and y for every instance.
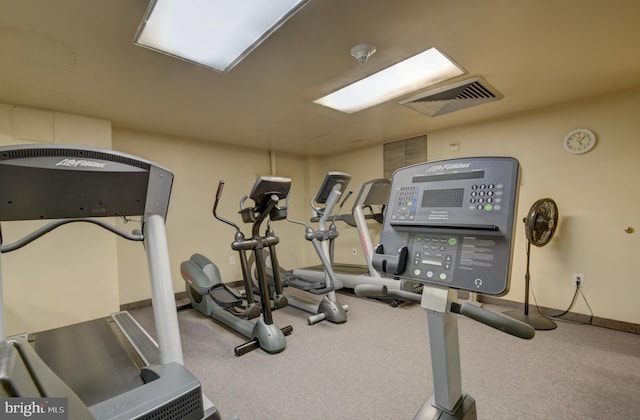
(125, 370)
(269, 338)
(326, 310)
(466, 410)
(349, 276)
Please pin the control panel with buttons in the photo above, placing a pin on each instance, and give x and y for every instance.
(454, 222)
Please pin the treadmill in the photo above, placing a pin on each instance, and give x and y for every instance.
(108, 368)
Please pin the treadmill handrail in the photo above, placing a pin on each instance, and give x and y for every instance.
(27, 239)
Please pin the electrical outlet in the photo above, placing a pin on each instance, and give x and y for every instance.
(232, 260)
(354, 251)
(578, 278)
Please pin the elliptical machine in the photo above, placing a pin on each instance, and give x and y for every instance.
(373, 194)
(209, 295)
(323, 205)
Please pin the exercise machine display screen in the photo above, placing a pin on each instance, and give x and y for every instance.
(451, 223)
(268, 185)
(66, 181)
(377, 193)
(332, 179)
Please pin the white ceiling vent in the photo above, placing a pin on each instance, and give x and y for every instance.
(453, 97)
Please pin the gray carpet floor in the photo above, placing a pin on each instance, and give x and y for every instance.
(377, 366)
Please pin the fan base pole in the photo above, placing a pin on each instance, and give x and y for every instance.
(538, 322)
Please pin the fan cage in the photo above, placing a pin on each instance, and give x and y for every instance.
(541, 222)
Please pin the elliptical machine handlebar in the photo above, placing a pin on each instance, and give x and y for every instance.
(215, 207)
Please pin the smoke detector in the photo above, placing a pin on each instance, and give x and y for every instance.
(362, 52)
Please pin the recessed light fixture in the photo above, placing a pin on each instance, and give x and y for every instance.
(213, 33)
(424, 69)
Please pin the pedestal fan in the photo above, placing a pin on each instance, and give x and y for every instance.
(540, 225)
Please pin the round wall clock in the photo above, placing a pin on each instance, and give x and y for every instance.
(579, 141)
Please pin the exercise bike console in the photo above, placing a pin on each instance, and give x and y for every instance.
(451, 223)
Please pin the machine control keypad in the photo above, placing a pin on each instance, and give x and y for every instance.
(407, 203)
(486, 197)
(451, 223)
(434, 255)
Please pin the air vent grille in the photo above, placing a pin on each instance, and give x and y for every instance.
(401, 153)
(187, 407)
(450, 98)
(36, 152)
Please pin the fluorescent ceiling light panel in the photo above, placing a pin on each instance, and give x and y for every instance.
(213, 33)
(424, 69)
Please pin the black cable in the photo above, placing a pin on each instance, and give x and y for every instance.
(573, 301)
(588, 306)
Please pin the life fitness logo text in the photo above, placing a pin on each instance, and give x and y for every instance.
(74, 163)
(448, 167)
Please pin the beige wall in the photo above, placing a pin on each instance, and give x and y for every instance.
(70, 274)
(198, 167)
(597, 195)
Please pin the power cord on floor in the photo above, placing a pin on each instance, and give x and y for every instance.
(573, 301)
(588, 306)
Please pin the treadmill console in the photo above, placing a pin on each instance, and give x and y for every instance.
(451, 223)
(332, 179)
(43, 181)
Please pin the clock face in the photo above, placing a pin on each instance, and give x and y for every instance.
(579, 141)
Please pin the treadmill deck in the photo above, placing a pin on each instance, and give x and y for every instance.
(92, 358)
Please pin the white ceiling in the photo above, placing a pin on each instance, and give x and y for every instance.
(77, 56)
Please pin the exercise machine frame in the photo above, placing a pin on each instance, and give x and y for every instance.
(372, 193)
(326, 201)
(449, 225)
(82, 184)
(212, 297)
